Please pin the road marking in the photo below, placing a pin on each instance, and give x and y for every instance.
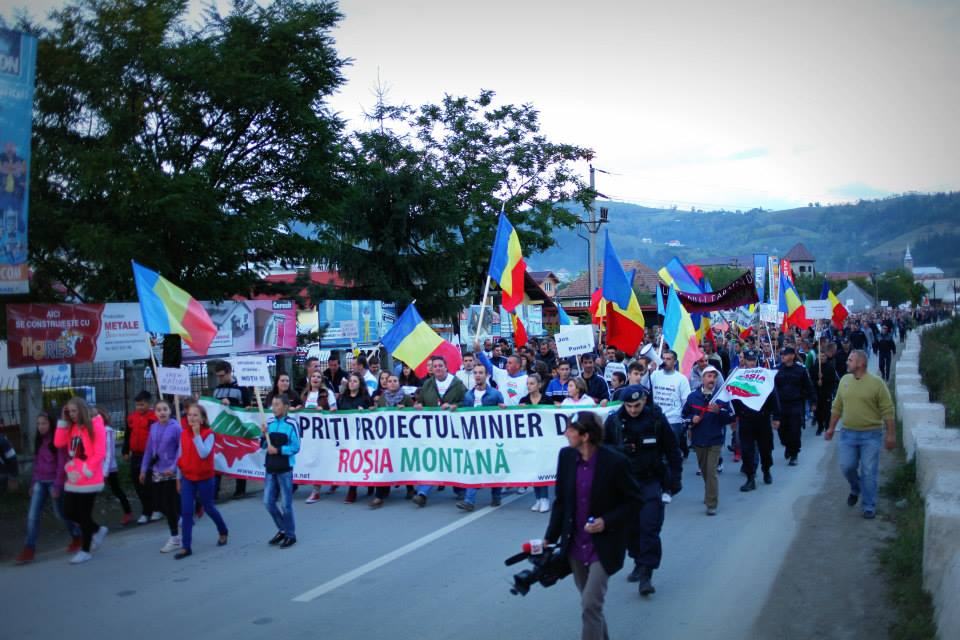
(373, 565)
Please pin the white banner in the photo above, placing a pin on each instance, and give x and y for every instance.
(818, 309)
(174, 381)
(574, 340)
(750, 386)
(470, 447)
(251, 371)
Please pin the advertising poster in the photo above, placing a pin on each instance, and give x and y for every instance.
(773, 280)
(344, 323)
(250, 327)
(760, 274)
(18, 59)
(46, 334)
(531, 315)
(490, 325)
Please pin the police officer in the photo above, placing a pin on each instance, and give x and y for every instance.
(756, 435)
(641, 431)
(794, 388)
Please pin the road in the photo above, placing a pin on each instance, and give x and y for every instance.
(404, 572)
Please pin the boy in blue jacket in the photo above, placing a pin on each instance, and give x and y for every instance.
(708, 421)
(281, 439)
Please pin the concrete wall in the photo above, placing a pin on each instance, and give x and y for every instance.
(937, 453)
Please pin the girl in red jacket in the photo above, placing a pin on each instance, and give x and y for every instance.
(86, 441)
(196, 477)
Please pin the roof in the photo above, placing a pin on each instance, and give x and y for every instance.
(847, 275)
(861, 299)
(540, 276)
(645, 279)
(799, 253)
(927, 271)
(738, 262)
(316, 277)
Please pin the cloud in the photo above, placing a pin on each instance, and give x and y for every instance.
(857, 190)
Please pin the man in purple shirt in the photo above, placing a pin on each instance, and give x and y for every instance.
(596, 497)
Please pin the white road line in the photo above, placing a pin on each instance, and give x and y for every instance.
(360, 571)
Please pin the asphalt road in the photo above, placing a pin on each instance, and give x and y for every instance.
(404, 572)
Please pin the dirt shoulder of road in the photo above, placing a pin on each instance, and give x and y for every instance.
(831, 583)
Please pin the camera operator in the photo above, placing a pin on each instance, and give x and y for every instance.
(641, 431)
(597, 497)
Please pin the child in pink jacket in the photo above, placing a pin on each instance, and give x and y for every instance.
(85, 438)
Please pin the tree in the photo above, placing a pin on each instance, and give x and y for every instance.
(196, 151)
(898, 286)
(418, 218)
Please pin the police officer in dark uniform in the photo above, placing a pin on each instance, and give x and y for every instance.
(754, 427)
(794, 388)
(641, 431)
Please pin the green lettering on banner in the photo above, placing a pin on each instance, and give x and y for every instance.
(410, 459)
(446, 460)
(484, 461)
(502, 466)
(429, 459)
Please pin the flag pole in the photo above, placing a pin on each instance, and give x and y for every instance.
(486, 287)
(156, 369)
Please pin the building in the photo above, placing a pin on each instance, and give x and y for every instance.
(839, 276)
(546, 280)
(855, 299)
(734, 262)
(921, 274)
(908, 260)
(802, 261)
(575, 298)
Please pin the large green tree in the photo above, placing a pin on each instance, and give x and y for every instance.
(418, 218)
(195, 150)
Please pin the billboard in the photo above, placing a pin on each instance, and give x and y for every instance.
(18, 59)
(47, 334)
(531, 315)
(250, 327)
(345, 323)
(760, 274)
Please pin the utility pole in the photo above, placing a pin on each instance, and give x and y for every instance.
(593, 228)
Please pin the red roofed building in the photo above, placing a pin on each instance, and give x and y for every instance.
(802, 261)
(575, 298)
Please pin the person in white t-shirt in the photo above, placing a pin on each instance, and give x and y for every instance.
(670, 390)
(360, 366)
(577, 394)
(511, 381)
(466, 372)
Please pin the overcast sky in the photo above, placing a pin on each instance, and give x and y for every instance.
(695, 103)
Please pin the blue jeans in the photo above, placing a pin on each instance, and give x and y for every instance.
(280, 486)
(188, 495)
(471, 495)
(859, 459)
(41, 490)
(541, 493)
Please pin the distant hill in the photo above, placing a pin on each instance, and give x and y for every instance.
(847, 237)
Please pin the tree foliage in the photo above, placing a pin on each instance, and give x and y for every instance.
(419, 214)
(191, 149)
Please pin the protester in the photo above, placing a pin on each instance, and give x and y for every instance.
(511, 380)
(86, 440)
(755, 429)
(407, 377)
(885, 347)
(356, 397)
(597, 387)
(360, 368)
(48, 479)
(863, 403)
(794, 389)
(535, 396)
(282, 386)
(640, 431)
(825, 379)
(281, 438)
(708, 420)
(557, 389)
(670, 389)
(134, 444)
(110, 473)
(230, 393)
(333, 374)
(597, 498)
(160, 461)
(195, 465)
(577, 395)
(317, 394)
(381, 385)
(393, 396)
(439, 390)
(481, 395)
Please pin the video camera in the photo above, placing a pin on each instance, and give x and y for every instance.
(549, 562)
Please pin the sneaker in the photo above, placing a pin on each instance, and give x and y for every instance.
(720, 466)
(711, 511)
(376, 503)
(126, 519)
(98, 538)
(144, 519)
(156, 515)
(420, 500)
(698, 472)
(466, 506)
(25, 556)
(171, 545)
(544, 505)
(313, 497)
(277, 539)
(536, 505)
(522, 490)
(288, 542)
(852, 499)
(75, 545)
(82, 556)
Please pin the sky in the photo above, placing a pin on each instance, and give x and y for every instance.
(694, 103)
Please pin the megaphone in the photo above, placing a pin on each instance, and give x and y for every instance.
(649, 352)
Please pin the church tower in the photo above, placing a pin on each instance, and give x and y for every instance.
(908, 260)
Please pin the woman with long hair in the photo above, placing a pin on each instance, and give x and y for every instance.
(356, 397)
(196, 477)
(407, 377)
(283, 386)
(577, 394)
(85, 439)
(160, 460)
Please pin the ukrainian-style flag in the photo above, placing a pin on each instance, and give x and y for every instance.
(168, 309)
(506, 264)
(625, 324)
(411, 340)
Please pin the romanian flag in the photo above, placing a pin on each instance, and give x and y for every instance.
(840, 312)
(678, 332)
(168, 309)
(598, 307)
(625, 324)
(519, 331)
(506, 264)
(791, 305)
(411, 340)
(677, 275)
